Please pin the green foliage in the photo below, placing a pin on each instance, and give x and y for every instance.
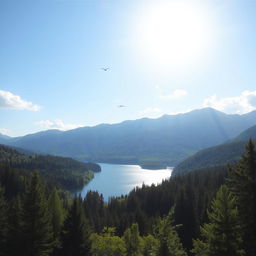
(15, 234)
(76, 231)
(36, 223)
(219, 155)
(148, 206)
(56, 214)
(66, 172)
(222, 235)
(213, 157)
(242, 181)
(133, 241)
(169, 240)
(3, 224)
(150, 245)
(107, 244)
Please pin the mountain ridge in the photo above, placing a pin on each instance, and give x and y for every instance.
(168, 139)
(223, 154)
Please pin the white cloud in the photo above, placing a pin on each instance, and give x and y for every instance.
(244, 103)
(12, 101)
(176, 94)
(57, 124)
(5, 131)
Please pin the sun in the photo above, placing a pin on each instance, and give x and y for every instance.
(173, 33)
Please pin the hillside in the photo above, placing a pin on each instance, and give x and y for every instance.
(4, 139)
(67, 172)
(219, 155)
(167, 140)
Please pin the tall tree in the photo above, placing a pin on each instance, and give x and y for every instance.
(56, 213)
(107, 244)
(36, 228)
(222, 236)
(15, 234)
(57, 217)
(133, 241)
(169, 240)
(150, 245)
(3, 223)
(75, 236)
(242, 181)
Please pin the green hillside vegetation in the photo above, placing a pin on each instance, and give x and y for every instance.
(202, 213)
(223, 154)
(66, 172)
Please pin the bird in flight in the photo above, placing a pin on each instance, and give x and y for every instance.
(105, 69)
(121, 106)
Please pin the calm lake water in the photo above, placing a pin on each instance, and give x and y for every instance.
(117, 180)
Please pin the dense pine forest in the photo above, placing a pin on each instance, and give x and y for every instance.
(66, 172)
(203, 213)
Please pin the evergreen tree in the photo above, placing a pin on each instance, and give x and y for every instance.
(107, 244)
(133, 240)
(169, 240)
(3, 223)
(56, 213)
(75, 236)
(185, 214)
(222, 235)
(36, 228)
(15, 234)
(150, 245)
(242, 181)
(57, 217)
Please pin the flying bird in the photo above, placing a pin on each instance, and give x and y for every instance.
(121, 106)
(105, 69)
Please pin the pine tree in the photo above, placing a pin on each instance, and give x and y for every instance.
(15, 234)
(222, 236)
(57, 217)
(242, 181)
(133, 241)
(150, 245)
(75, 236)
(169, 240)
(107, 244)
(3, 223)
(36, 228)
(56, 213)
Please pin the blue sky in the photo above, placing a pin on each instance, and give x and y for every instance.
(52, 52)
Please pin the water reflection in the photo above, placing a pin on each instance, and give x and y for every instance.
(115, 180)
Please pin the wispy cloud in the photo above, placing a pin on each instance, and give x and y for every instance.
(244, 103)
(57, 124)
(176, 94)
(12, 101)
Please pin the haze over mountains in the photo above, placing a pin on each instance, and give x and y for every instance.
(219, 155)
(168, 139)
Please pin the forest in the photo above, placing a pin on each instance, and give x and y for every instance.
(207, 212)
(65, 172)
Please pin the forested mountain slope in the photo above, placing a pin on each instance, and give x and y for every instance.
(67, 172)
(152, 220)
(229, 152)
(168, 139)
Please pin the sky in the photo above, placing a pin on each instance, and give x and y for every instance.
(163, 57)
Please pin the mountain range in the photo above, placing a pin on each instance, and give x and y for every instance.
(168, 139)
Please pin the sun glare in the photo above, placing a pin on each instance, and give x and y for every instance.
(173, 34)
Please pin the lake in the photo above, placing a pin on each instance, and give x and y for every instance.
(117, 180)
